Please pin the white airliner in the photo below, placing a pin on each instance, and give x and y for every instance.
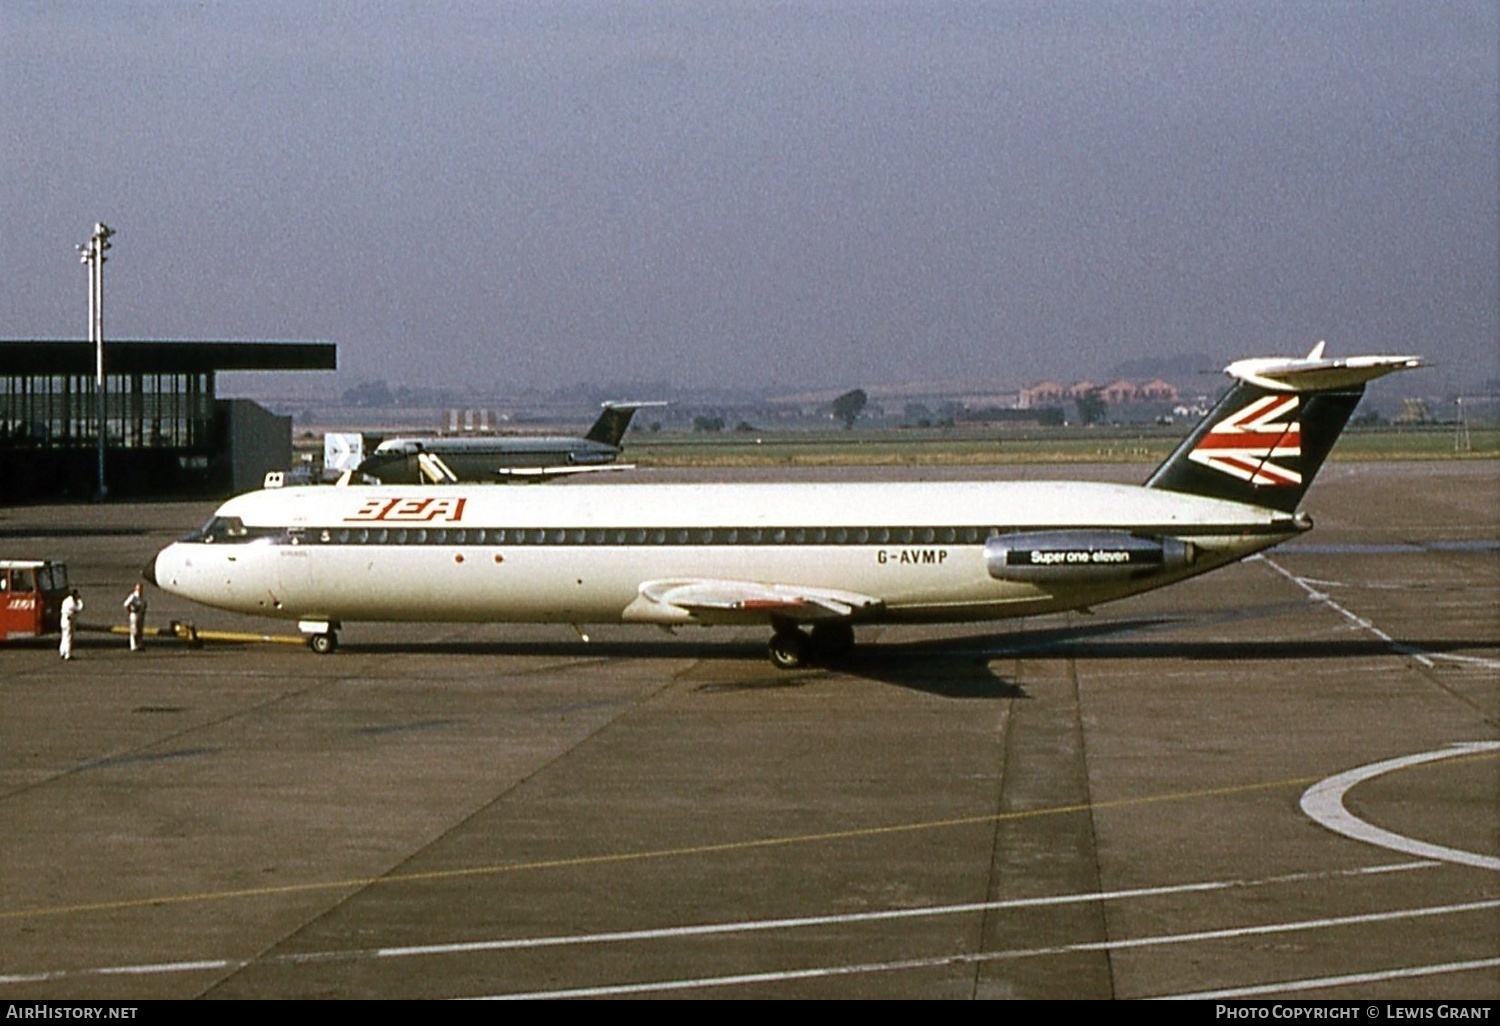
(514, 458)
(810, 561)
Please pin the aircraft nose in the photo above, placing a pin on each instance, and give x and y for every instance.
(149, 571)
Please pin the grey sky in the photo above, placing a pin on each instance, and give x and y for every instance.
(531, 195)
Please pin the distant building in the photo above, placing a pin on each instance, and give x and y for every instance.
(1043, 393)
(1116, 393)
(166, 431)
(1157, 391)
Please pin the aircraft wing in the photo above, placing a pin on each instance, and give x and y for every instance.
(743, 602)
(535, 475)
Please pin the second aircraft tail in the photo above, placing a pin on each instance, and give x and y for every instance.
(613, 422)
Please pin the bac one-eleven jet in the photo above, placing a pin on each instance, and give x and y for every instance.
(505, 459)
(809, 561)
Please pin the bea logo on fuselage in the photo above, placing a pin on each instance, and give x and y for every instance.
(409, 511)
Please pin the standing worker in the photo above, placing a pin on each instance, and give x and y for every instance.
(135, 605)
(71, 607)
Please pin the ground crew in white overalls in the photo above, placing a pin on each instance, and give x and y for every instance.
(135, 605)
(71, 607)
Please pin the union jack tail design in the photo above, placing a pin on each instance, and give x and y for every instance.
(1259, 446)
(1250, 444)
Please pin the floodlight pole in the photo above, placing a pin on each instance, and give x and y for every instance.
(93, 258)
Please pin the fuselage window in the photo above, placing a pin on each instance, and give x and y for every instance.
(222, 529)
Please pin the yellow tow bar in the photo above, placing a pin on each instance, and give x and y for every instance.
(178, 630)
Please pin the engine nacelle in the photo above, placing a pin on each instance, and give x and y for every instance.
(1082, 556)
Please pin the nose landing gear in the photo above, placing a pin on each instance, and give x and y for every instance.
(322, 637)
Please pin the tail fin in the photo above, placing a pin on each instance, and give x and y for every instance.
(1265, 440)
(612, 423)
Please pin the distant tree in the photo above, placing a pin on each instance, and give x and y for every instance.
(1091, 407)
(369, 393)
(708, 423)
(744, 427)
(849, 406)
(917, 415)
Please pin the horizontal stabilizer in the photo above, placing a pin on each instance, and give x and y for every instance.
(1313, 373)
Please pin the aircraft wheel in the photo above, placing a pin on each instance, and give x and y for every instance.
(323, 644)
(789, 650)
(832, 640)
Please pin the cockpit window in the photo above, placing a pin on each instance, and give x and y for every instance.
(220, 529)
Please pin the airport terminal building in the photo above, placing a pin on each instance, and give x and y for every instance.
(167, 433)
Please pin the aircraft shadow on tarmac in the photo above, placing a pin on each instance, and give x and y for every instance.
(1120, 639)
(961, 667)
(951, 669)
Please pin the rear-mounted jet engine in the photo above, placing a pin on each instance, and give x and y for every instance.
(1083, 556)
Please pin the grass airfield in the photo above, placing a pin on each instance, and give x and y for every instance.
(971, 446)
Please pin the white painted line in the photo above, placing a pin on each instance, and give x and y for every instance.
(1306, 585)
(1324, 802)
(159, 968)
(1427, 659)
(700, 930)
(994, 956)
(850, 918)
(1294, 986)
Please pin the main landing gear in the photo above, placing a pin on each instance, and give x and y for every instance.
(322, 638)
(791, 648)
